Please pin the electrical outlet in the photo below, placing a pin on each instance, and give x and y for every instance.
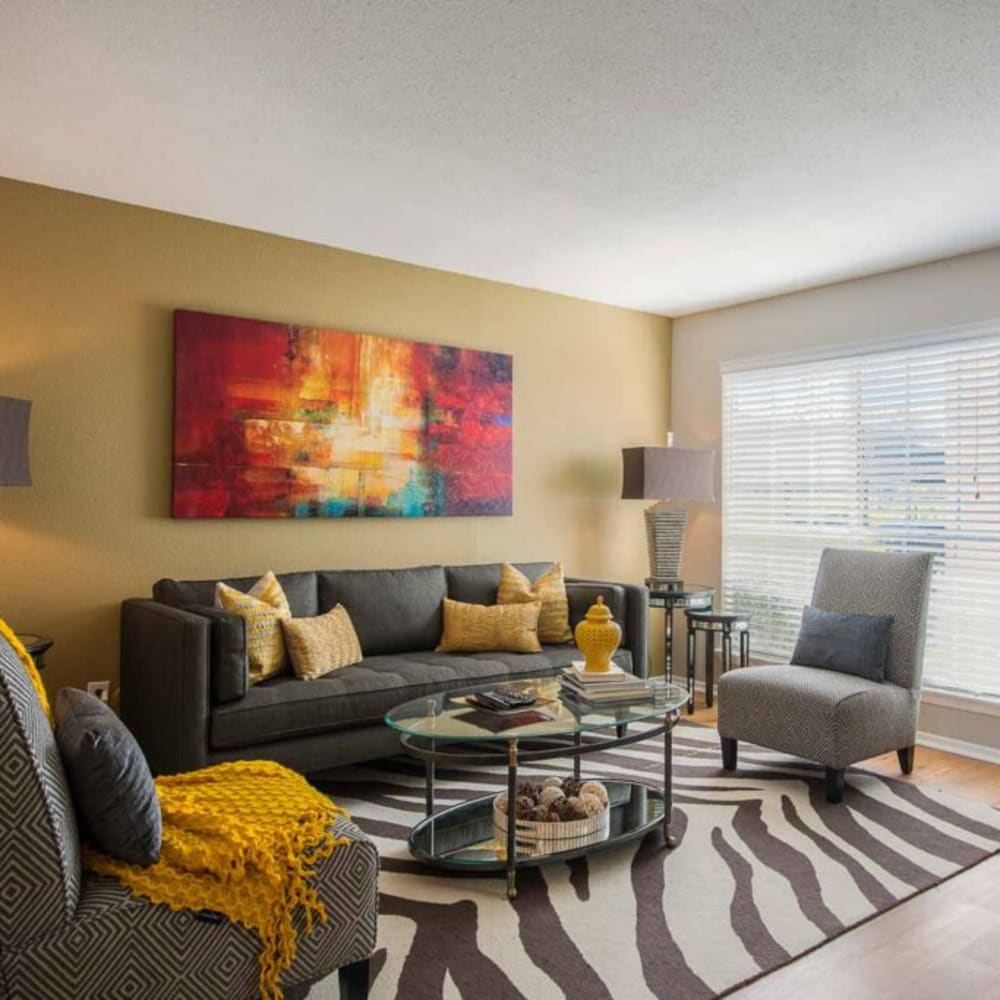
(100, 689)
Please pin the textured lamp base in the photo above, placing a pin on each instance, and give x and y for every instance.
(665, 529)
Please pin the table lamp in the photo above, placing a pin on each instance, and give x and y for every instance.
(665, 475)
(14, 416)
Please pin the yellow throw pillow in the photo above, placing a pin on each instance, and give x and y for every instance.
(267, 589)
(318, 645)
(482, 628)
(265, 643)
(550, 589)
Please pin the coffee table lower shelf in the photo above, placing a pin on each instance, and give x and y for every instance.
(463, 838)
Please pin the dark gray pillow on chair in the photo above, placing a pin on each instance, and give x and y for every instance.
(111, 784)
(850, 644)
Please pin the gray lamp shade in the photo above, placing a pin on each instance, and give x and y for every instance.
(14, 415)
(668, 474)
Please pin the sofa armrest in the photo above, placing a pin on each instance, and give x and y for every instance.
(634, 621)
(165, 654)
(228, 667)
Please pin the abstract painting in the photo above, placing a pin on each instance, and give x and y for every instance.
(276, 420)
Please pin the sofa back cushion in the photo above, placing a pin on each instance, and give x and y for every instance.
(478, 584)
(393, 610)
(299, 588)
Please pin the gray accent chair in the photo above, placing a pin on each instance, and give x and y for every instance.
(835, 718)
(67, 933)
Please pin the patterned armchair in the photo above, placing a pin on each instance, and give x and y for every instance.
(833, 718)
(67, 933)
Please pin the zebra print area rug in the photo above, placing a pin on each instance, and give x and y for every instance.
(765, 870)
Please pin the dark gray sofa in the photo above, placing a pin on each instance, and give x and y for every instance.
(184, 689)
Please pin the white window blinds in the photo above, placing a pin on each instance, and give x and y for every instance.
(896, 450)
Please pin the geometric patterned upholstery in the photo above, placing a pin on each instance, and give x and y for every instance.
(39, 844)
(881, 583)
(830, 717)
(120, 945)
(822, 715)
(97, 941)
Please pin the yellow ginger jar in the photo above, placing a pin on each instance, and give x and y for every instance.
(598, 636)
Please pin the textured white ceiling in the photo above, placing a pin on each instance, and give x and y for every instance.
(669, 156)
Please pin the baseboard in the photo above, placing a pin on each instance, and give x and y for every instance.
(963, 748)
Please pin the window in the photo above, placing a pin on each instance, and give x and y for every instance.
(895, 449)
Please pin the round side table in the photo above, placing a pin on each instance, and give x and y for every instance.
(678, 596)
(37, 646)
(725, 624)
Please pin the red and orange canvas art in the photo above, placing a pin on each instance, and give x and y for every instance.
(276, 420)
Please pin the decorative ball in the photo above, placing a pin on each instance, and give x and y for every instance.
(528, 788)
(564, 809)
(549, 794)
(595, 788)
(525, 807)
(540, 814)
(501, 802)
(589, 805)
(552, 782)
(571, 787)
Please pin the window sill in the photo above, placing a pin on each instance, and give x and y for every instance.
(962, 702)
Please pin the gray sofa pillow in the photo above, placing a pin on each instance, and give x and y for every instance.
(299, 588)
(392, 610)
(109, 779)
(230, 670)
(478, 583)
(848, 643)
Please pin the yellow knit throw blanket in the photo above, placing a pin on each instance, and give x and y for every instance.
(242, 839)
(29, 665)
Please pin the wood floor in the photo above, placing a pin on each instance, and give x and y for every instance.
(944, 943)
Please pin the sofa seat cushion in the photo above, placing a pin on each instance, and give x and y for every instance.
(821, 715)
(286, 707)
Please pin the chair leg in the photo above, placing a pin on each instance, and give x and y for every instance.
(354, 980)
(834, 784)
(729, 753)
(906, 755)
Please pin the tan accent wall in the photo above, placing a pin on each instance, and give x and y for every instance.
(87, 290)
(930, 297)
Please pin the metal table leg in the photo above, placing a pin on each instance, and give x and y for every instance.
(668, 641)
(668, 780)
(691, 634)
(577, 738)
(709, 668)
(429, 786)
(744, 649)
(512, 819)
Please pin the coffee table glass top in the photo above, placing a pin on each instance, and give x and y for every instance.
(446, 716)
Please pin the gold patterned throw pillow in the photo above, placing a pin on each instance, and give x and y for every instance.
(265, 644)
(550, 589)
(318, 645)
(267, 589)
(482, 628)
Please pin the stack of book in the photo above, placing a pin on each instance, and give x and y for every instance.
(607, 688)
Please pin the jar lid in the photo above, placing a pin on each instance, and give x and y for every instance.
(599, 611)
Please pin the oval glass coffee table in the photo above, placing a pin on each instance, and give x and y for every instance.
(444, 729)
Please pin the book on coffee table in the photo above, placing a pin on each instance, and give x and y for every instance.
(614, 685)
(498, 722)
